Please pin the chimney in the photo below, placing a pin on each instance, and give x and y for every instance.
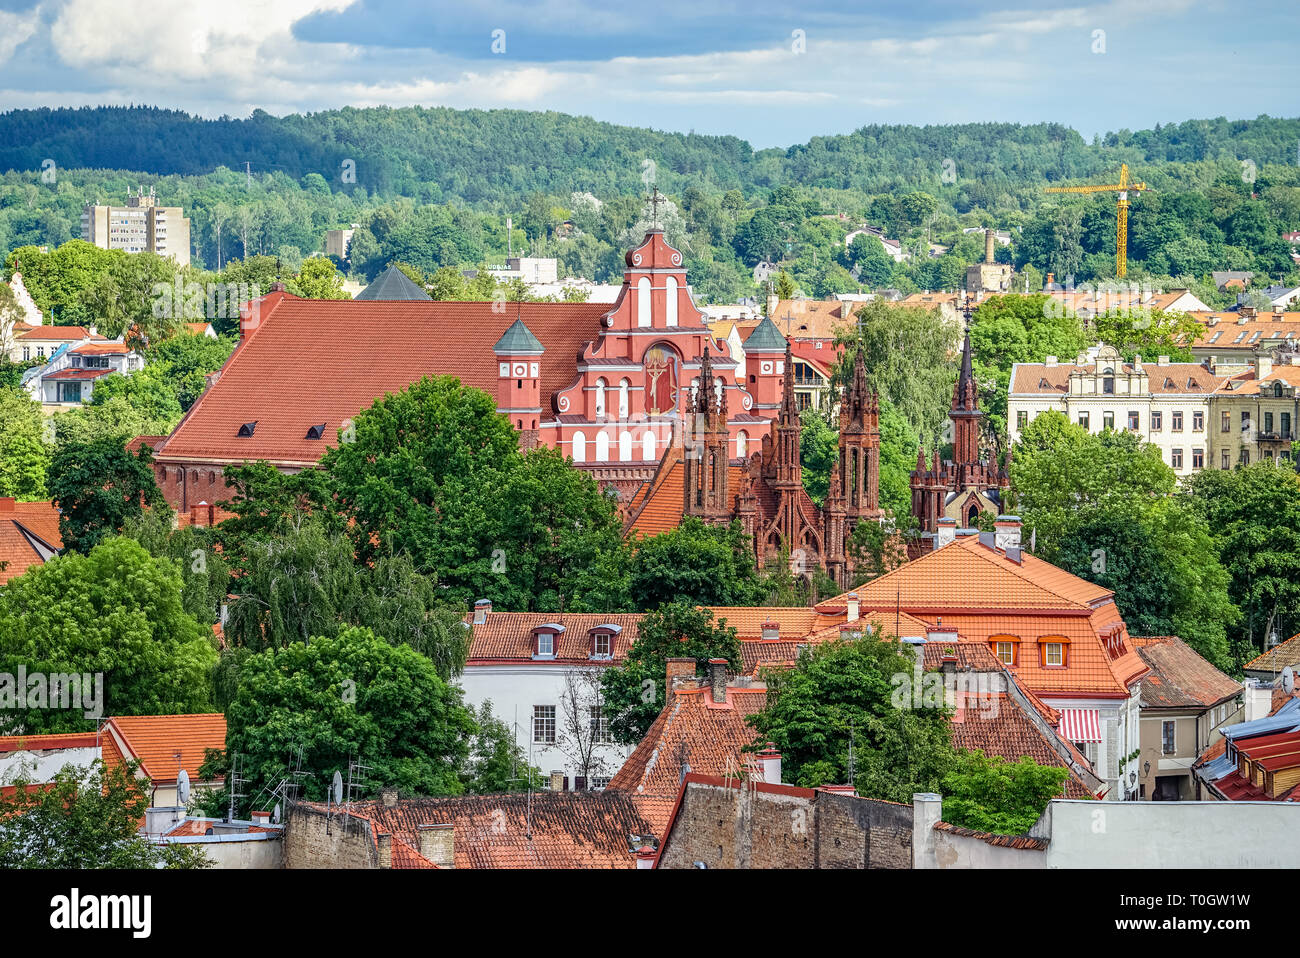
(680, 671)
(1263, 366)
(1258, 701)
(388, 797)
(718, 679)
(1162, 360)
(210, 379)
(1048, 283)
(1051, 362)
(848, 633)
(1246, 312)
(557, 780)
(1007, 531)
(852, 599)
(93, 330)
(988, 246)
(946, 532)
(645, 857)
(481, 609)
(937, 633)
(438, 844)
(261, 818)
(771, 630)
(1137, 362)
(772, 300)
(771, 760)
(385, 842)
(7, 504)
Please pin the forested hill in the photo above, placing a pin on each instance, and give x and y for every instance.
(493, 157)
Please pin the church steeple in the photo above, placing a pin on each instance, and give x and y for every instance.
(965, 413)
(706, 449)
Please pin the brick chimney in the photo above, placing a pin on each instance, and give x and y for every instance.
(481, 609)
(680, 671)
(438, 844)
(718, 679)
(771, 760)
(771, 630)
(557, 780)
(385, 842)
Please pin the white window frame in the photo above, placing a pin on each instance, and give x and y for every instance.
(544, 718)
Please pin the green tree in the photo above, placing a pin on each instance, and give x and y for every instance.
(496, 762)
(183, 362)
(991, 794)
(696, 562)
(839, 701)
(634, 692)
(352, 697)
(116, 611)
(24, 455)
(318, 279)
(205, 574)
(98, 486)
(86, 817)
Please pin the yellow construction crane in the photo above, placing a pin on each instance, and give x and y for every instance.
(1123, 187)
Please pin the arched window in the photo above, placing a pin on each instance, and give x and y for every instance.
(648, 447)
(670, 291)
(579, 447)
(600, 398)
(624, 447)
(602, 447)
(623, 387)
(643, 301)
(742, 444)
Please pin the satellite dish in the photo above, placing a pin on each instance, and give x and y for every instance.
(183, 786)
(337, 788)
(275, 817)
(1288, 680)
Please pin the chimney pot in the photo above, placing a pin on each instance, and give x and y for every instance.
(718, 680)
(852, 599)
(481, 609)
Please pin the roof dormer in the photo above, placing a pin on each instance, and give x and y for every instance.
(546, 640)
(602, 640)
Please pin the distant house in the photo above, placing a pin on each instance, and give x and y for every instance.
(1186, 704)
(69, 377)
(1231, 279)
(1280, 297)
(201, 329)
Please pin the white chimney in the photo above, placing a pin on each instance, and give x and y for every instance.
(1263, 367)
(852, 598)
(1007, 532)
(481, 609)
(1051, 362)
(946, 533)
(771, 760)
(771, 630)
(645, 857)
(1258, 701)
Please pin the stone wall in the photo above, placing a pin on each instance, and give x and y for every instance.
(779, 826)
(314, 840)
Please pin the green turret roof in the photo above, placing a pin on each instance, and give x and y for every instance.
(518, 339)
(765, 338)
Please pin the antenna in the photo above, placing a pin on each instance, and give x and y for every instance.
(234, 785)
(182, 787)
(1288, 680)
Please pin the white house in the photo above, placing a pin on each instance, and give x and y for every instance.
(1166, 403)
(69, 377)
(540, 672)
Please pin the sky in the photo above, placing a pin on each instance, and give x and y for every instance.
(772, 73)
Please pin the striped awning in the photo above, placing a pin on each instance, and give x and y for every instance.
(1080, 725)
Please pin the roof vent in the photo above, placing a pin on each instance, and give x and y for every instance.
(316, 432)
(247, 428)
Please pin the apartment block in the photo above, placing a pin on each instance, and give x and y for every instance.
(142, 226)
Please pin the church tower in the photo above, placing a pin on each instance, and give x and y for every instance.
(859, 456)
(706, 457)
(965, 415)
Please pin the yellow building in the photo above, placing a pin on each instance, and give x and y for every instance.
(1255, 414)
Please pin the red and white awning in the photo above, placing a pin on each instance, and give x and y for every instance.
(1080, 725)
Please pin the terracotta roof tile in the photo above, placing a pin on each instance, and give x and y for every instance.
(509, 635)
(1179, 677)
(1277, 658)
(23, 527)
(156, 739)
(296, 346)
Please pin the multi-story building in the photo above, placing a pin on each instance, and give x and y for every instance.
(1167, 404)
(1254, 414)
(1234, 338)
(338, 241)
(142, 226)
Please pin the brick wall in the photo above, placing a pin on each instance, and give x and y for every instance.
(187, 486)
(740, 827)
(311, 840)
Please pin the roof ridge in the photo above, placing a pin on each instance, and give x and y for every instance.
(1015, 570)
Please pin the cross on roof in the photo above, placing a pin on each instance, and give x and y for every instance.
(655, 199)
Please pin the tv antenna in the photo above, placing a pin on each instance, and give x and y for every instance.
(1288, 680)
(234, 785)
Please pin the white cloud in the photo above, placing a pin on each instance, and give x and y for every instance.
(15, 30)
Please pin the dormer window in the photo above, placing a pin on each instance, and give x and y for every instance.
(247, 428)
(544, 640)
(602, 640)
(545, 643)
(316, 432)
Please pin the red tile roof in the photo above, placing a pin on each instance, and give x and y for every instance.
(102, 349)
(508, 636)
(329, 359)
(1277, 658)
(24, 526)
(71, 373)
(59, 333)
(55, 741)
(544, 830)
(156, 739)
(1180, 678)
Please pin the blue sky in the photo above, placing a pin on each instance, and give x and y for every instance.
(772, 73)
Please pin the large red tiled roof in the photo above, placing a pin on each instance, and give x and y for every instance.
(312, 361)
(1174, 378)
(22, 526)
(59, 333)
(980, 593)
(542, 830)
(509, 636)
(1278, 657)
(156, 739)
(1179, 676)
